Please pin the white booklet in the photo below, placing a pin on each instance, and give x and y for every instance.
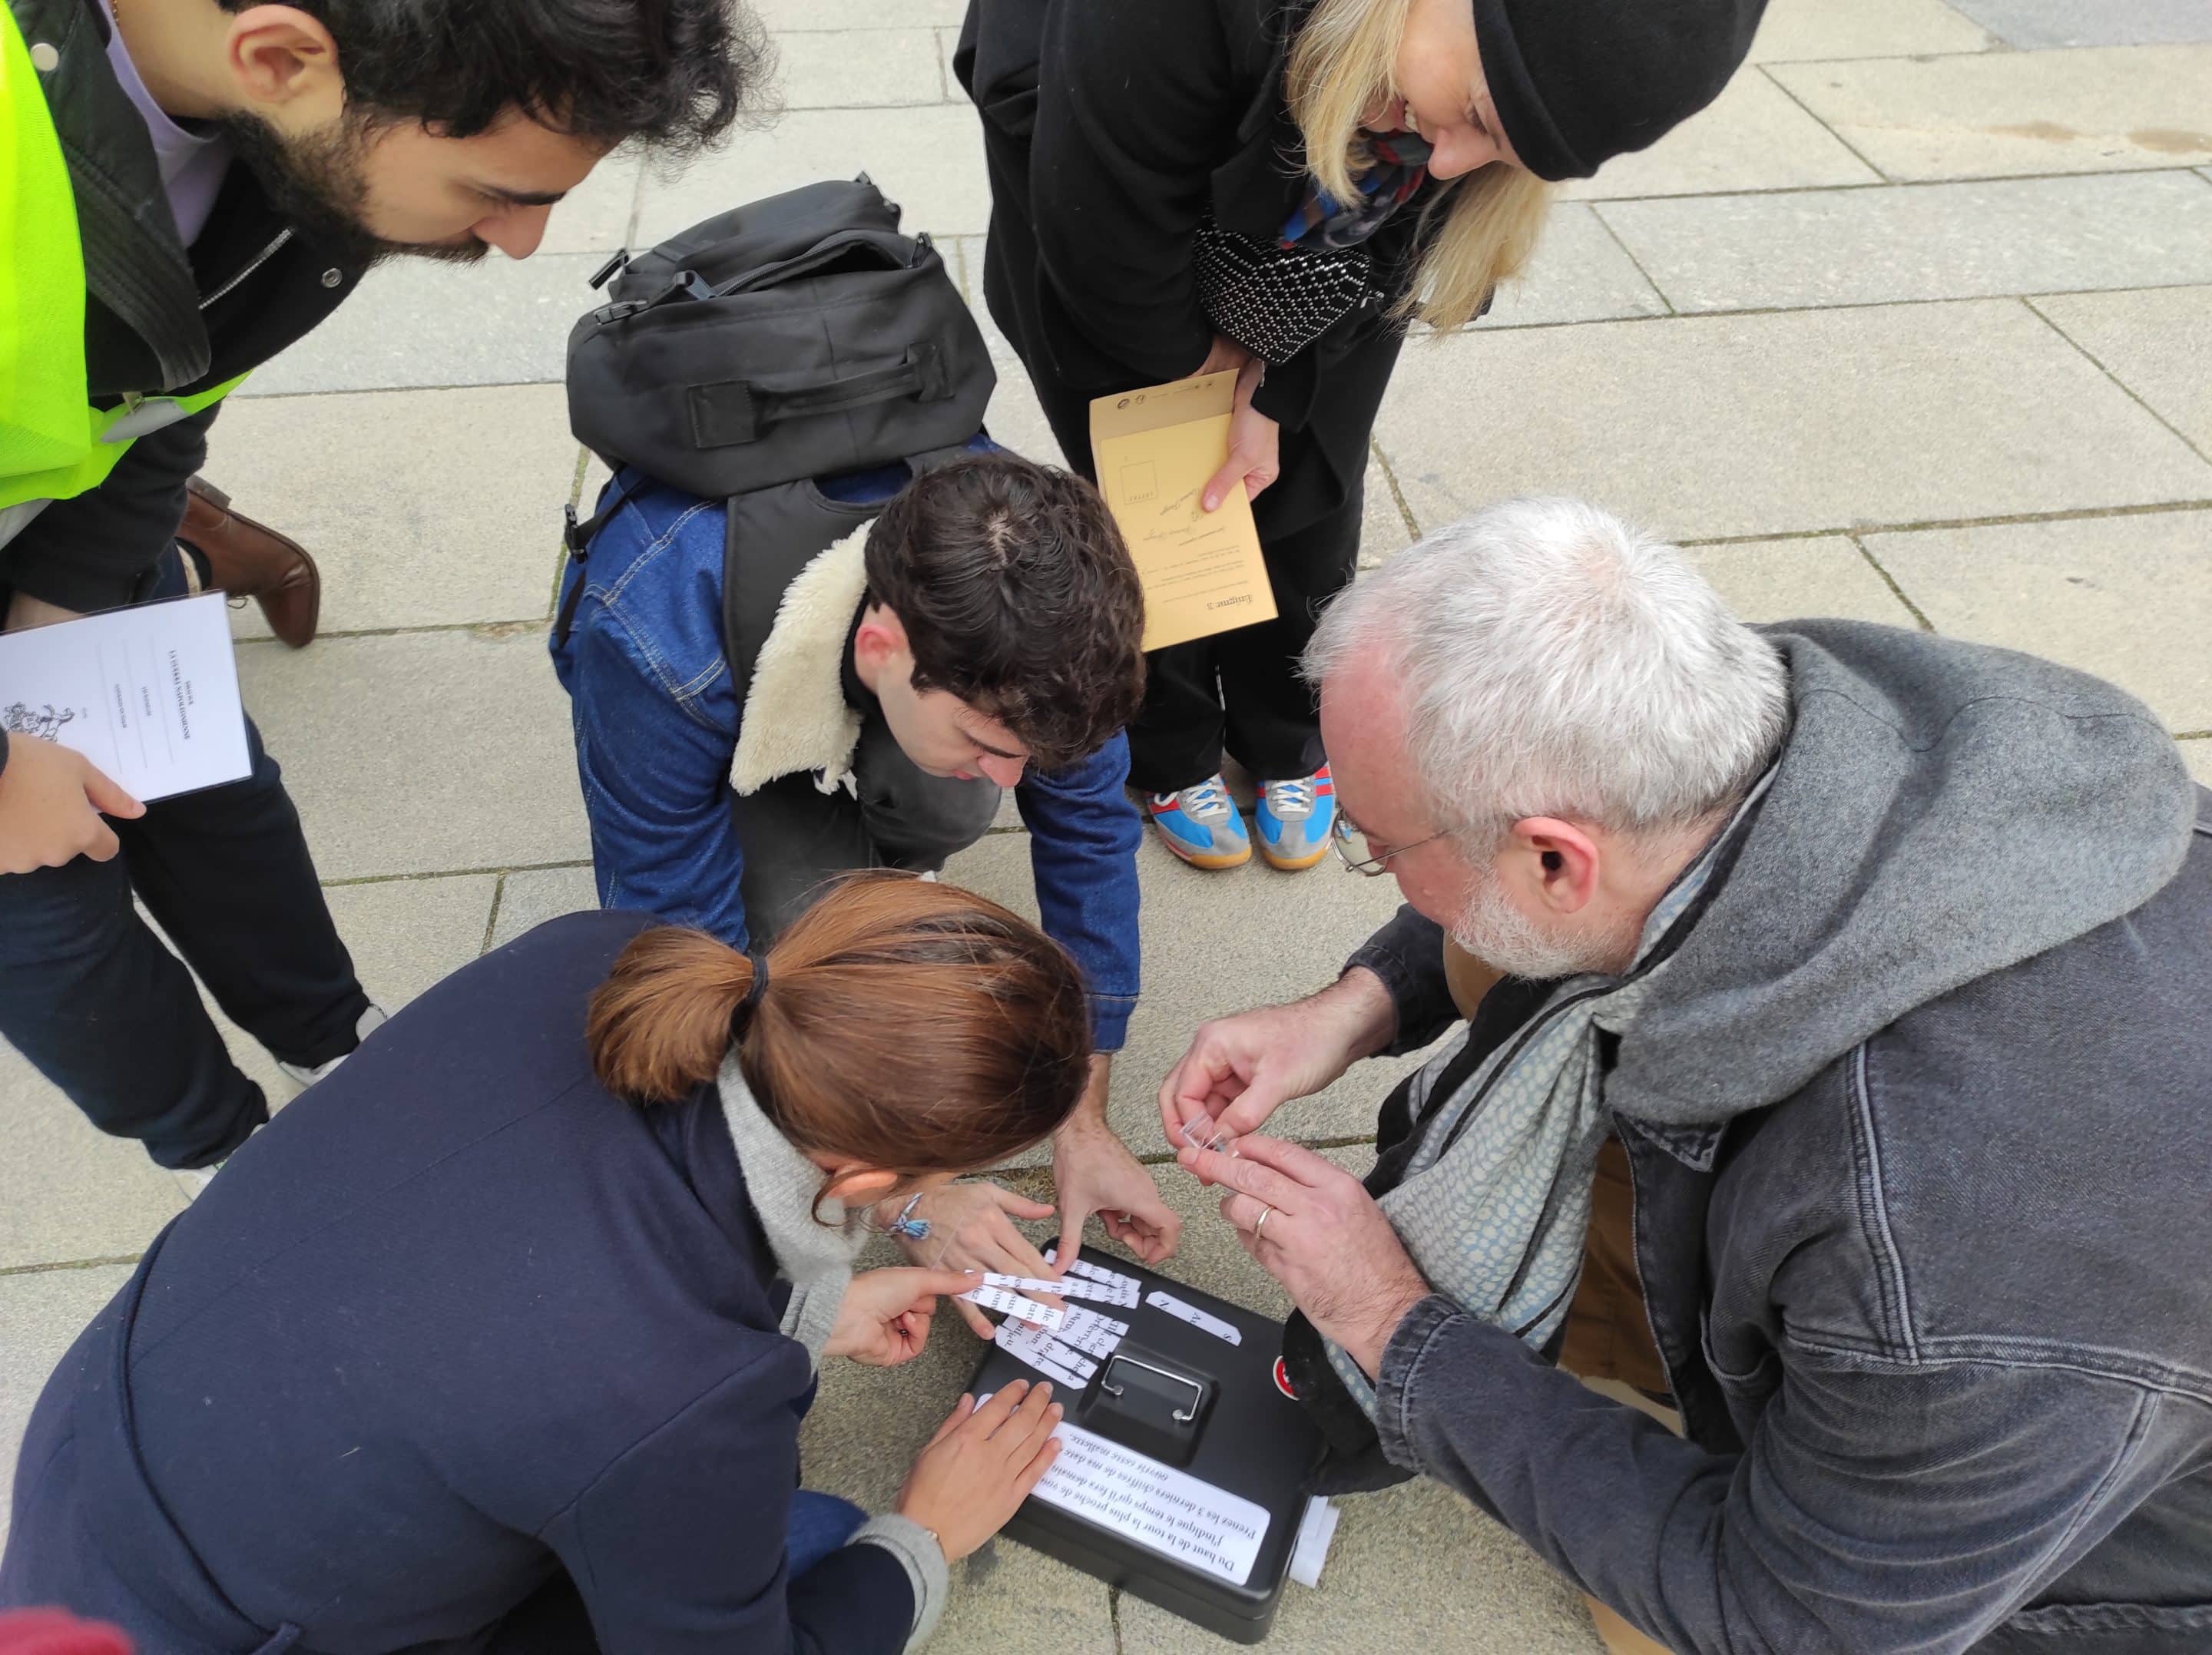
(149, 693)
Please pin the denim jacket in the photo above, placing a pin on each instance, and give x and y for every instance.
(1940, 1328)
(656, 721)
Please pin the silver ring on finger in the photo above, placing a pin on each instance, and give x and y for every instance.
(1265, 1213)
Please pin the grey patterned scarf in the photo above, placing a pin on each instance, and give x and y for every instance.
(1494, 1207)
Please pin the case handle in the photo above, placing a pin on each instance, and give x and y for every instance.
(1181, 1416)
(733, 411)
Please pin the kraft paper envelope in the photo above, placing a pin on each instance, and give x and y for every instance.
(1155, 449)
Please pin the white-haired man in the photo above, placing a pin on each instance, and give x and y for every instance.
(1885, 957)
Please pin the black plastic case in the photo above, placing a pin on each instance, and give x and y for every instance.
(1210, 1409)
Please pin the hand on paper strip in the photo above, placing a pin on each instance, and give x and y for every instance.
(980, 1465)
(885, 1318)
(971, 1228)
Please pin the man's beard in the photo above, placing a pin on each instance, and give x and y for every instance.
(1494, 931)
(319, 185)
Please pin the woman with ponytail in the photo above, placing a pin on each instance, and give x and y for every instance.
(499, 1339)
(1278, 187)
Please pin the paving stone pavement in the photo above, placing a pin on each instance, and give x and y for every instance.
(1914, 325)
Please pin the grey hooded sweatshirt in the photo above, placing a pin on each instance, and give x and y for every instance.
(1920, 1123)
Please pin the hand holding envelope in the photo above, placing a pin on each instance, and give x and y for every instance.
(1156, 449)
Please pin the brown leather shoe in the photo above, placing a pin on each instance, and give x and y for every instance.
(247, 558)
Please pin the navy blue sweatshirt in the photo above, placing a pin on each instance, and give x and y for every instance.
(457, 1320)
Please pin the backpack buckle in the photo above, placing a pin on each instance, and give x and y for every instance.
(605, 273)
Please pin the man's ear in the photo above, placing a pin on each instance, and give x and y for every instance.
(880, 637)
(280, 57)
(1559, 863)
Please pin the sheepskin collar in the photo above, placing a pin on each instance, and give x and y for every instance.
(796, 718)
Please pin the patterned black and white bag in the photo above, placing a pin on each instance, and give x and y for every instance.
(1275, 301)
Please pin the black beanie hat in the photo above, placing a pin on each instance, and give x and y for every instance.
(1577, 83)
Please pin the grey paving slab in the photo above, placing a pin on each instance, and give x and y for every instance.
(2199, 755)
(928, 159)
(1753, 137)
(2093, 110)
(2033, 24)
(529, 899)
(406, 935)
(2158, 344)
(1787, 580)
(1959, 241)
(784, 16)
(963, 256)
(1015, 419)
(1215, 943)
(1412, 1568)
(1014, 416)
(2124, 598)
(1383, 532)
(66, 1191)
(1796, 30)
(40, 1316)
(948, 42)
(74, 1193)
(422, 507)
(414, 323)
(860, 67)
(422, 752)
(1710, 427)
(595, 217)
(1011, 1597)
(1579, 274)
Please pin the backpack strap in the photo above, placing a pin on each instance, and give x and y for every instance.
(577, 538)
(930, 459)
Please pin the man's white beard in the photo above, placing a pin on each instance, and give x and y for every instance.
(1494, 931)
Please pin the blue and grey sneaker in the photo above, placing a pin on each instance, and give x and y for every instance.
(1295, 819)
(1200, 825)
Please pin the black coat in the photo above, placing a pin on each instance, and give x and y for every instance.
(1113, 128)
(457, 1322)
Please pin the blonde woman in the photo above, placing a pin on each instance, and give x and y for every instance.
(1279, 186)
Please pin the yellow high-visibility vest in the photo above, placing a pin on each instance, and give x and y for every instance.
(53, 443)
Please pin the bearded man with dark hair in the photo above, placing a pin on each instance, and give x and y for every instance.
(195, 184)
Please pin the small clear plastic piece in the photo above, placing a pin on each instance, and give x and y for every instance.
(1217, 1141)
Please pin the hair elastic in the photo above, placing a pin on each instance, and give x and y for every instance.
(741, 1018)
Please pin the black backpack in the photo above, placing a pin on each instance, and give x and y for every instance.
(791, 337)
(783, 340)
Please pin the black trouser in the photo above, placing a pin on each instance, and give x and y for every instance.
(797, 839)
(88, 994)
(1239, 691)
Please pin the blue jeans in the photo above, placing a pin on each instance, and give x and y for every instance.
(820, 1524)
(553, 1620)
(90, 995)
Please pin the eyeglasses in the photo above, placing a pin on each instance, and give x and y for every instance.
(1373, 865)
